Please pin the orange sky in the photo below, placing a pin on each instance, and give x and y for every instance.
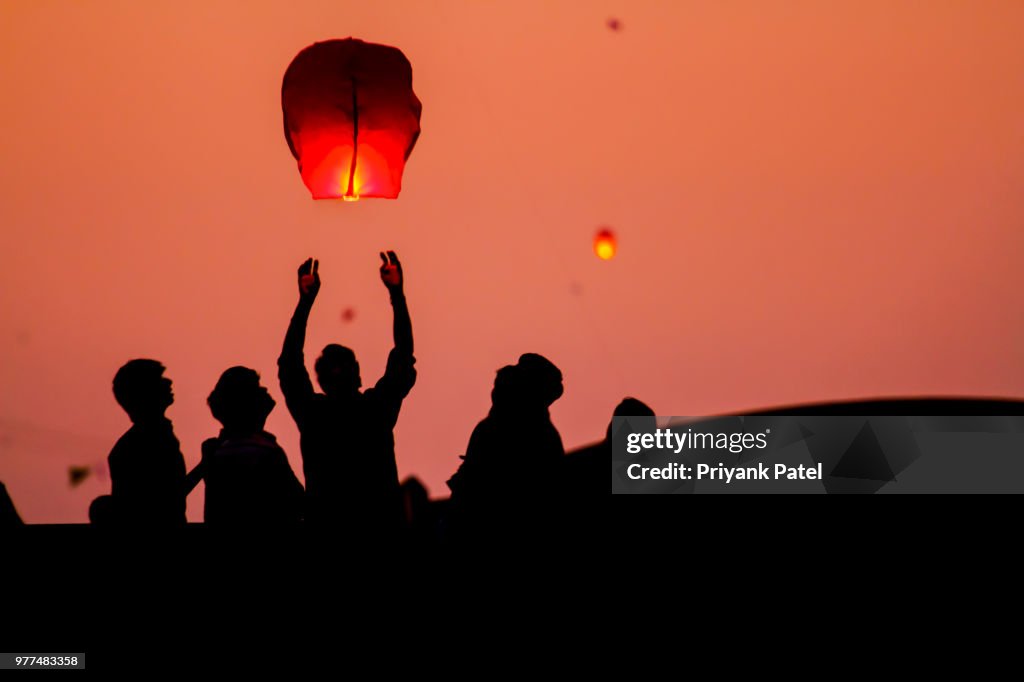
(813, 201)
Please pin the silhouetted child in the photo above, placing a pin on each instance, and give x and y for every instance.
(347, 439)
(509, 479)
(147, 470)
(248, 478)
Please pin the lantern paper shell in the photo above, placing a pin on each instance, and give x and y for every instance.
(351, 118)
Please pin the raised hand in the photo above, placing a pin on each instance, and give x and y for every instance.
(391, 272)
(309, 280)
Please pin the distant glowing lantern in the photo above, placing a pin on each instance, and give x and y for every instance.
(604, 244)
(351, 118)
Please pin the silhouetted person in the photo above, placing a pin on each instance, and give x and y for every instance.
(588, 470)
(147, 470)
(9, 517)
(509, 479)
(347, 439)
(248, 478)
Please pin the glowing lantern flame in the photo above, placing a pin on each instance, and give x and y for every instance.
(604, 245)
(351, 118)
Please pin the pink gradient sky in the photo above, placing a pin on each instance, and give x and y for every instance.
(813, 201)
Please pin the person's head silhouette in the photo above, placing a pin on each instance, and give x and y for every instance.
(631, 407)
(337, 371)
(239, 402)
(541, 380)
(142, 390)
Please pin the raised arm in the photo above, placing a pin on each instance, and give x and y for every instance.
(400, 374)
(198, 472)
(193, 477)
(391, 275)
(291, 366)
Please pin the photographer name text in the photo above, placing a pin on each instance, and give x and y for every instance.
(720, 472)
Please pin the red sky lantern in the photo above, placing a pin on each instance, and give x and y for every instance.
(351, 118)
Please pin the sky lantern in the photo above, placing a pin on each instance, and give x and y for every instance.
(351, 118)
(604, 244)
